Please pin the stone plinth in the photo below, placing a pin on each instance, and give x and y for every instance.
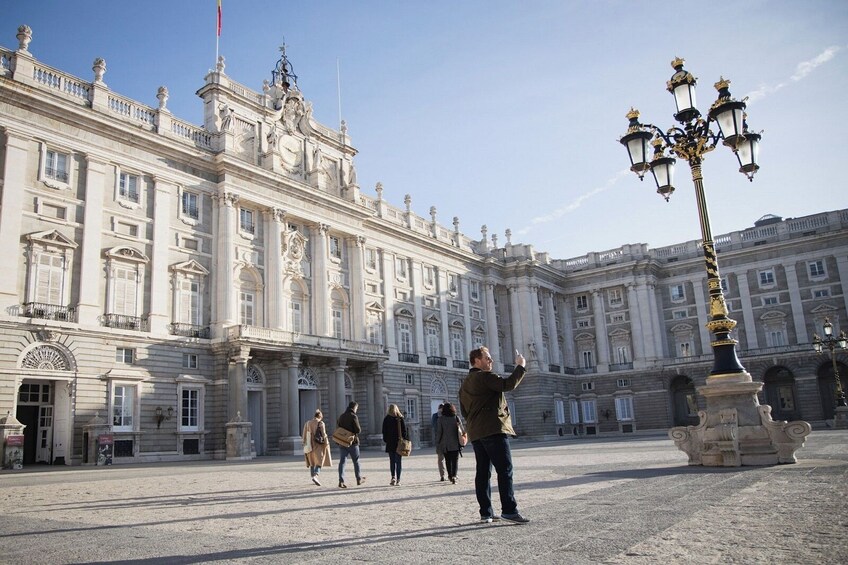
(238, 441)
(840, 418)
(292, 445)
(736, 430)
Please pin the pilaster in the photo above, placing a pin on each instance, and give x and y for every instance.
(320, 303)
(11, 213)
(550, 317)
(356, 278)
(796, 303)
(225, 303)
(601, 335)
(274, 224)
(701, 310)
(159, 317)
(747, 311)
(91, 293)
(492, 322)
(415, 277)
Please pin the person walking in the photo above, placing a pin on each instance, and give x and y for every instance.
(489, 427)
(447, 439)
(394, 428)
(350, 422)
(440, 457)
(316, 446)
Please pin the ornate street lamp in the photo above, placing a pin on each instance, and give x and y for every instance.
(690, 141)
(832, 343)
(732, 428)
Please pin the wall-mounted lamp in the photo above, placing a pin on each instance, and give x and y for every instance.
(545, 415)
(606, 414)
(162, 416)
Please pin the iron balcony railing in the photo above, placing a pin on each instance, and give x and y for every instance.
(189, 330)
(123, 322)
(45, 311)
(408, 357)
(457, 364)
(620, 366)
(440, 361)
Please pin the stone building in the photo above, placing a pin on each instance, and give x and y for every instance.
(186, 292)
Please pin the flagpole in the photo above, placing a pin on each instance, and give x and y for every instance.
(339, 90)
(218, 31)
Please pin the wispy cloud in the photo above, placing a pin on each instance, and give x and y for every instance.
(803, 69)
(574, 204)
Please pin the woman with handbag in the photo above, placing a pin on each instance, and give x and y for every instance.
(394, 432)
(316, 446)
(448, 432)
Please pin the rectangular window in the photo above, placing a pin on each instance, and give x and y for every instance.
(49, 278)
(624, 408)
(615, 297)
(724, 285)
(189, 206)
(617, 318)
(769, 300)
(126, 291)
(457, 347)
(410, 379)
(584, 323)
(623, 383)
(190, 244)
(246, 301)
(766, 277)
(411, 409)
(246, 223)
(581, 302)
(125, 355)
(622, 354)
(296, 317)
(123, 401)
(685, 349)
(190, 410)
(429, 275)
(335, 248)
(433, 349)
(337, 323)
(821, 293)
(125, 228)
(190, 361)
(588, 359)
(370, 258)
(56, 166)
(474, 290)
(400, 267)
(453, 283)
(590, 413)
(679, 314)
(677, 292)
(587, 386)
(405, 335)
(574, 411)
(559, 409)
(816, 269)
(775, 338)
(189, 302)
(128, 186)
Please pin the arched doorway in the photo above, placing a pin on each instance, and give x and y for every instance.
(256, 407)
(684, 403)
(779, 393)
(307, 390)
(827, 386)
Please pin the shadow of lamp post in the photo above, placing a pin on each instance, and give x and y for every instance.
(734, 429)
(833, 343)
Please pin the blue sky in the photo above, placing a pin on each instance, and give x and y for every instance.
(505, 113)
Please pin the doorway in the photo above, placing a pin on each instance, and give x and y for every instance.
(255, 414)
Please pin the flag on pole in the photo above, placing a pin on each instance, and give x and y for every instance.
(219, 18)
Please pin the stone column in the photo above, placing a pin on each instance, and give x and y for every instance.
(389, 297)
(356, 274)
(11, 215)
(441, 285)
(796, 304)
(225, 303)
(238, 430)
(747, 311)
(514, 324)
(568, 359)
(274, 224)
(92, 297)
(655, 319)
(337, 400)
(637, 332)
(601, 335)
(534, 343)
(466, 321)
(291, 442)
(842, 269)
(320, 302)
(159, 317)
(369, 426)
(492, 322)
(553, 342)
(415, 277)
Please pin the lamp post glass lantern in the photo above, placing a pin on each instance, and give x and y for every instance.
(832, 343)
(691, 140)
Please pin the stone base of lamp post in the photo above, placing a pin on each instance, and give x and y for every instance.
(840, 418)
(735, 430)
(291, 445)
(238, 441)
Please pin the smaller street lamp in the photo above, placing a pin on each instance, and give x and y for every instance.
(832, 343)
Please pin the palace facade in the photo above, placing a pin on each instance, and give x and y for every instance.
(181, 291)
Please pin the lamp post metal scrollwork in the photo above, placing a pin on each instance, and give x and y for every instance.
(733, 426)
(833, 343)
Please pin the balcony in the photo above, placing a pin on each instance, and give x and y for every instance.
(439, 361)
(123, 322)
(460, 364)
(189, 330)
(408, 358)
(49, 311)
(274, 337)
(553, 368)
(569, 370)
(620, 366)
(586, 371)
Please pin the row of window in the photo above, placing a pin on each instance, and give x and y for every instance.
(125, 407)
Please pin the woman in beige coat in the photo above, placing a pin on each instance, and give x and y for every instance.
(317, 454)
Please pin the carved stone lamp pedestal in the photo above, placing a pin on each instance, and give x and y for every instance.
(736, 430)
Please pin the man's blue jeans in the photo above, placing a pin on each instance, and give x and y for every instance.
(353, 453)
(494, 451)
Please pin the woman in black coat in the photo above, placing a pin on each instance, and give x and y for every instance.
(447, 439)
(392, 424)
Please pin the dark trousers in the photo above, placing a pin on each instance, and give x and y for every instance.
(353, 453)
(494, 451)
(395, 464)
(452, 463)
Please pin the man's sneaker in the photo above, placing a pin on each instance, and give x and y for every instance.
(360, 480)
(515, 518)
(486, 519)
